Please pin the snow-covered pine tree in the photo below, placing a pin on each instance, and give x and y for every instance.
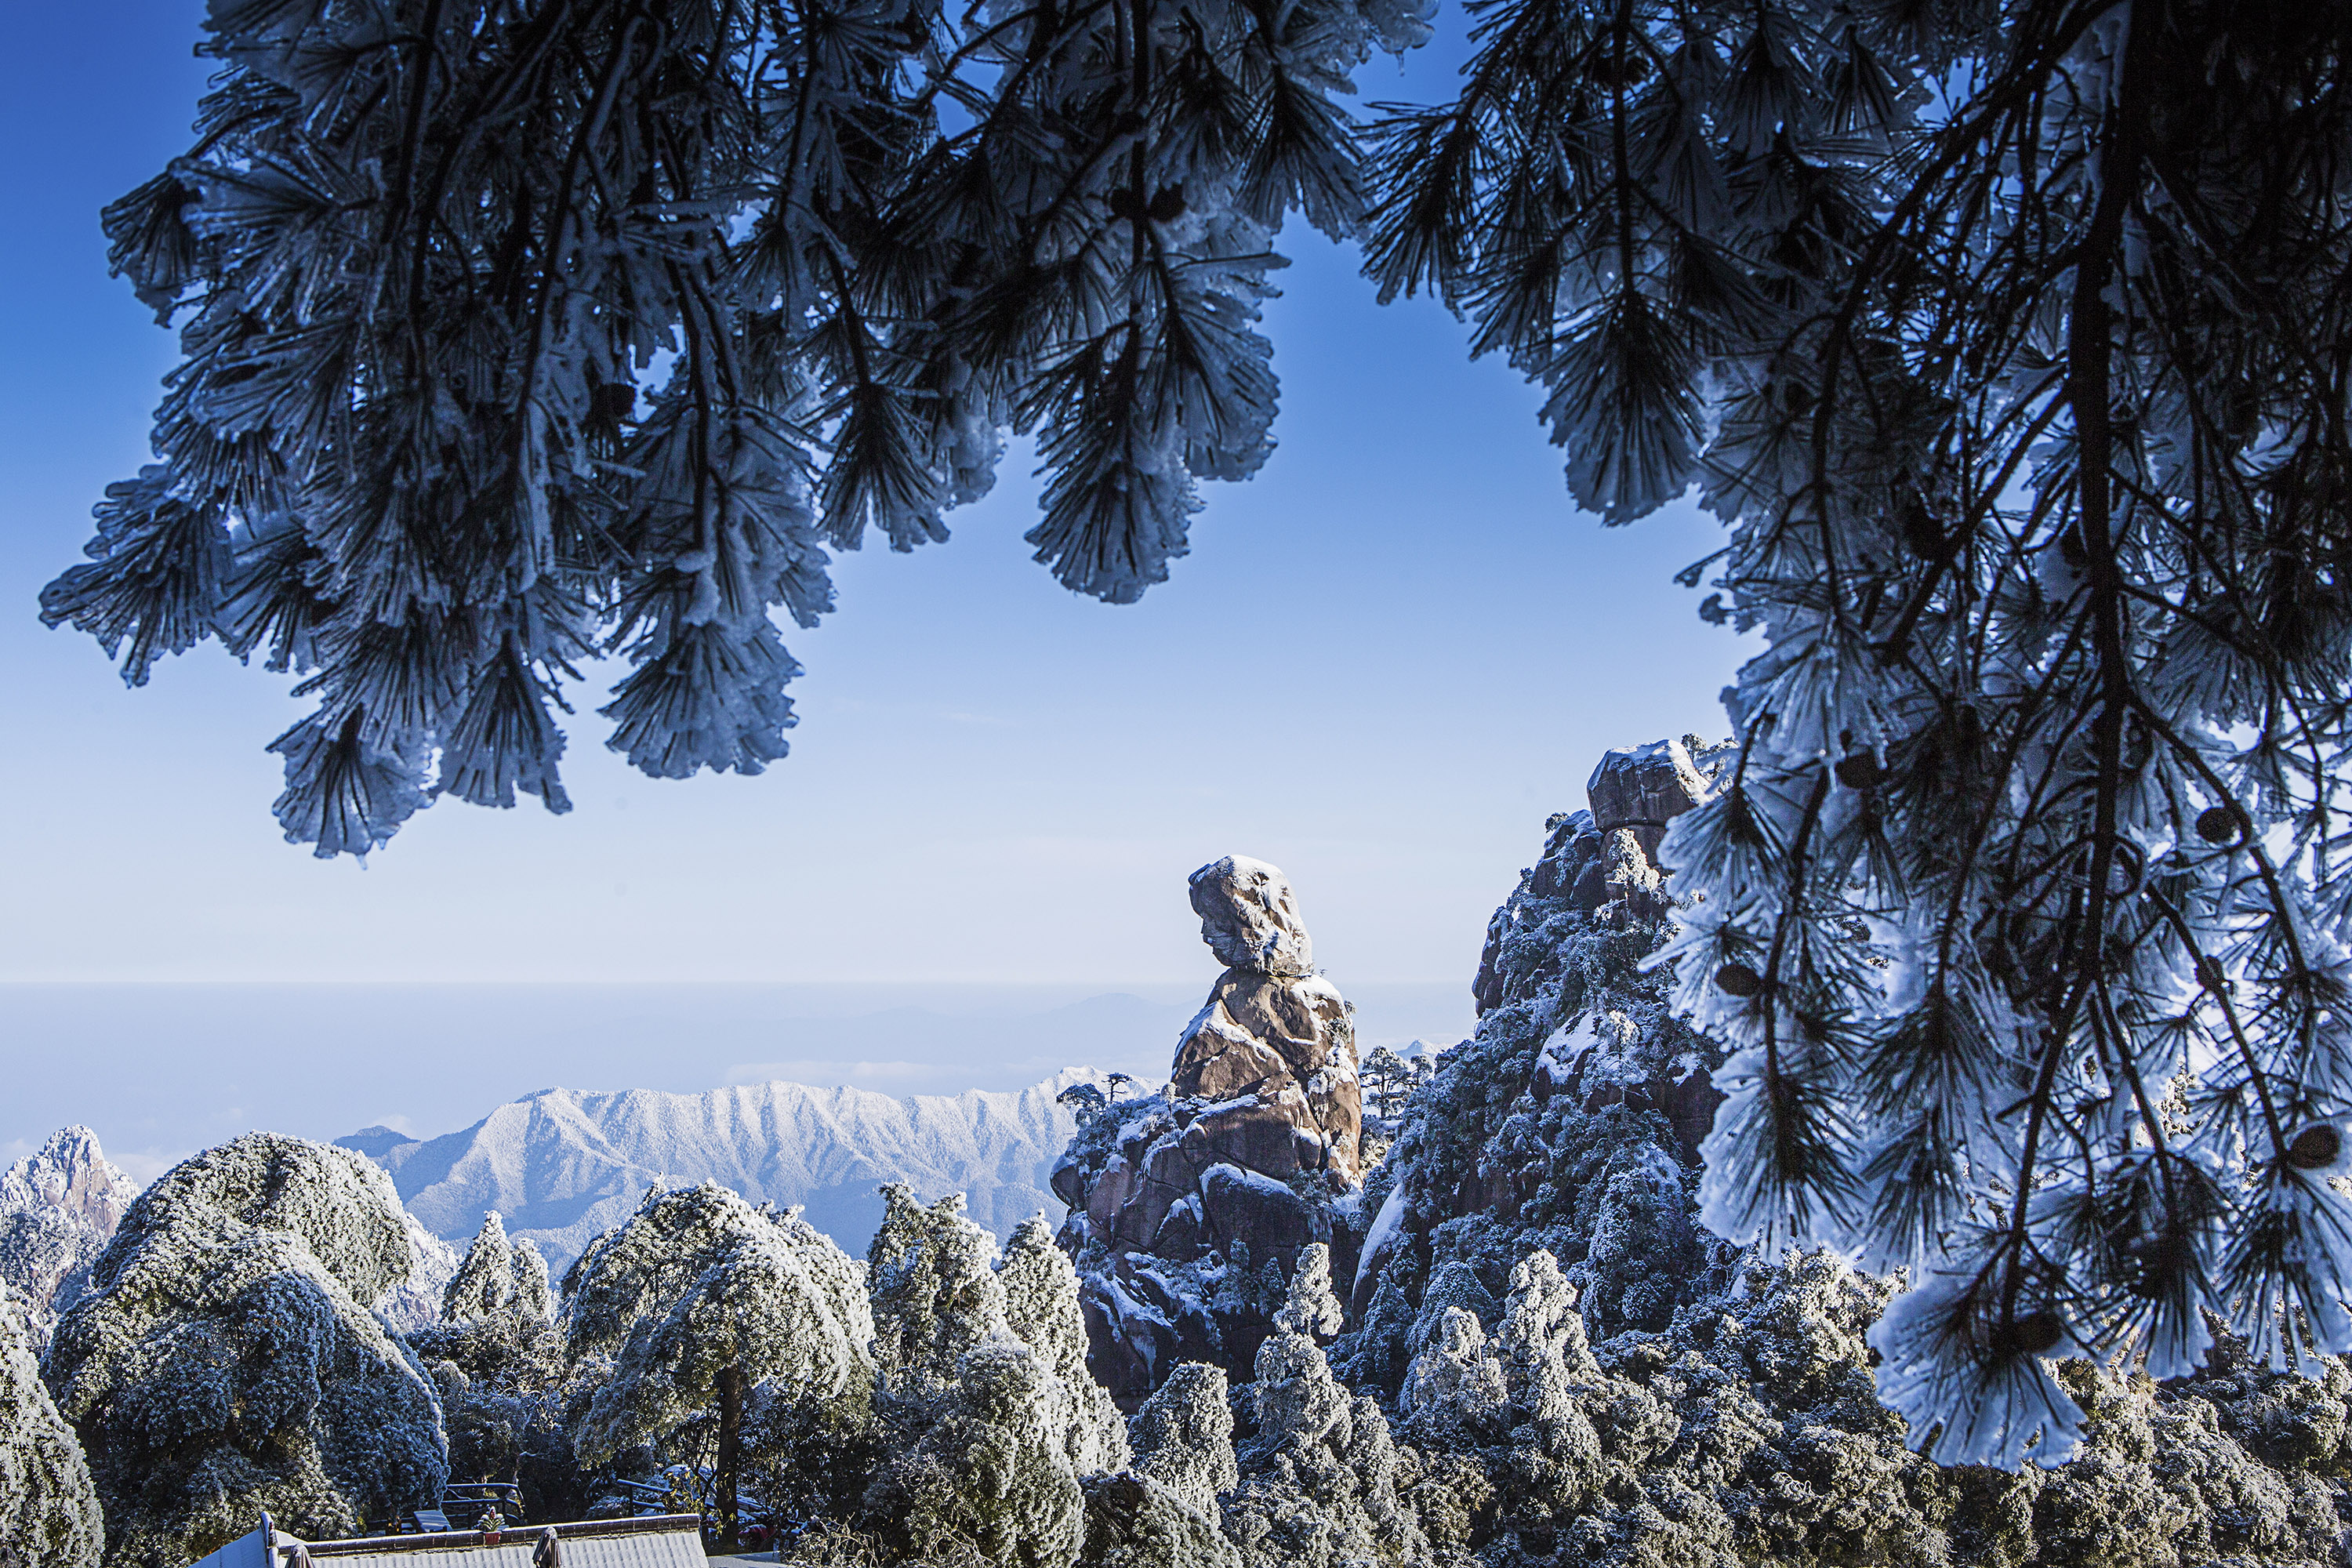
(993, 1421)
(515, 334)
(224, 1358)
(506, 1386)
(703, 1301)
(49, 1509)
(497, 1279)
(2010, 341)
(1041, 1306)
(1319, 1477)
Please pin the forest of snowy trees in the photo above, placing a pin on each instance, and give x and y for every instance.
(1541, 1355)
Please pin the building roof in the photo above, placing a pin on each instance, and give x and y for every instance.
(665, 1540)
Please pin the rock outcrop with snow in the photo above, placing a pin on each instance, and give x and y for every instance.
(1190, 1209)
(561, 1165)
(1577, 1373)
(224, 1358)
(59, 1208)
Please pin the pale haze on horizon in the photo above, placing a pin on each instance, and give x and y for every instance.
(1385, 661)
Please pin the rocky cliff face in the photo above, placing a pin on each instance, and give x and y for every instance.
(1190, 1210)
(59, 1209)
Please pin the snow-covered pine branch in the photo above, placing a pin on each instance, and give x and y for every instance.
(2010, 341)
(519, 333)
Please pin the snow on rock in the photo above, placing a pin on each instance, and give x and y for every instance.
(48, 1509)
(57, 1209)
(1190, 1208)
(563, 1166)
(1249, 919)
(224, 1358)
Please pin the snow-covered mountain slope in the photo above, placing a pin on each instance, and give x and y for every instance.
(57, 1209)
(561, 1165)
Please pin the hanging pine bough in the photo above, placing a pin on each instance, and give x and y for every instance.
(521, 332)
(2012, 342)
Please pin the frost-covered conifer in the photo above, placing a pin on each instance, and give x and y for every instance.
(497, 1279)
(516, 336)
(225, 1360)
(1163, 1512)
(990, 1479)
(935, 1291)
(48, 1509)
(1319, 1478)
(703, 1301)
(981, 1360)
(1184, 1437)
(1041, 1305)
(485, 1279)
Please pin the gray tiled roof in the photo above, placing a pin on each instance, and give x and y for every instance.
(671, 1540)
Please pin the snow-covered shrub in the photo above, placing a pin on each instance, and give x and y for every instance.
(1163, 1512)
(993, 1418)
(48, 1509)
(508, 1401)
(936, 1295)
(1041, 1306)
(1184, 1437)
(497, 1279)
(704, 1303)
(1319, 1478)
(989, 1481)
(226, 1361)
(416, 1302)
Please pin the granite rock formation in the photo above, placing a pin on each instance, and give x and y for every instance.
(1572, 1120)
(1190, 1210)
(59, 1208)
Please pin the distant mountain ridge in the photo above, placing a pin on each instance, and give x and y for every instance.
(57, 1209)
(561, 1165)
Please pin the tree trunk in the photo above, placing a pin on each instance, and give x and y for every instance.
(730, 1448)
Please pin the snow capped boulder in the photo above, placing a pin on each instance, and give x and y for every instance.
(1191, 1210)
(59, 1208)
(1248, 917)
(224, 1358)
(1645, 787)
(48, 1509)
(1274, 1033)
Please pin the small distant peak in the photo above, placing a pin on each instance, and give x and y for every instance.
(373, 1142)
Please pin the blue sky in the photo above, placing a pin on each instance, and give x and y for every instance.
(1386, 659)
